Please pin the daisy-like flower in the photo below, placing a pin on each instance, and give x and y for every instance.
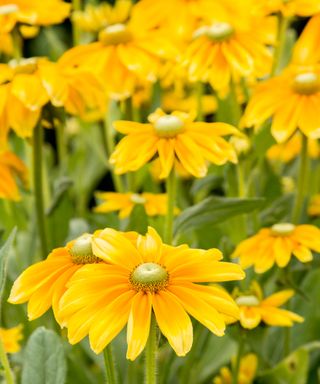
(154, 204)
(230, 44)
(290, 8)
(142, 278)
(247, 371)
(11, 338)
(314, 206)
(277, 245)
(293, 97)
(128, 50)
(173, 136)
(289, 150)
(254, 308)
(11, 167)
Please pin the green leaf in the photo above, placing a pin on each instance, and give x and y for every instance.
(44, 360)
(214, 210)
(210, 182)
(4, 255)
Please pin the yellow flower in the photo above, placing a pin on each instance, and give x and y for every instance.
(126, 49)
(11, 337)
(10, 168)
(254, 308)
(43, 284)
(144, 277)
(231, 43)
(247, 371)
(292, 98)
(314, 206)
(277, 244)
(154, 204)
(286, 152)
(290, 8)
(193, 143)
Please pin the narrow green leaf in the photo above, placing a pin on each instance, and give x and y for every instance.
(209, 182)
(44, 360)
(214, 210)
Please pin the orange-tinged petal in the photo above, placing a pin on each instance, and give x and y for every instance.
(150, 246)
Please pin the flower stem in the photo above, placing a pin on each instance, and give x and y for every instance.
(76, 6)
(236, 368)
(171, 196)
(111, 372)
(302, 181)
(38, 188)
(151, 354)
(282, 29)
(9, 378)
(199, 95)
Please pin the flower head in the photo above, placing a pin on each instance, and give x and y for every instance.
(11, 337)
(141, 277)
(254, 308)
(154, 204)
(277, 245)
(173, 136)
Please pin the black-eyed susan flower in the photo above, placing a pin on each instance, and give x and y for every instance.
(247, 371)
(154, 204)
(11, 168)
(254, 308)
(128, 50)
(173, 136)
(314, 206)
(277, 245)
(231, 43)
(144, 277)
(11, 338)
(286, 152)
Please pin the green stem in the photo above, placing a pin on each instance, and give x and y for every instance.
(241, 183)
(61, 145)
(302, 181)
(236, 111)
(281, 39)
(17, 44)
(199, 94)
(151, 354)
(111, 372)
(171, 196)
(76, 6)
(38, 188)
(236, 368)
(9, 378)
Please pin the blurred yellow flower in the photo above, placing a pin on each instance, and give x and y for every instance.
(10, 168)
(314, 206)
(143, 277)
(254, 308)
(154, 204)
(247, 371)
(170, 136)
(286, 152)
(290, 8)
(11, 337)
(230, 44)
(277, 244)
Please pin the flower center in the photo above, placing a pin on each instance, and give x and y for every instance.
(25, 66)
(248, 301)
(115, 34)
(168, 126)
(220, 31)
(8, 8)
(137, 199)
(306, 83)
(149, 277)
(282, 229)
(81, 251)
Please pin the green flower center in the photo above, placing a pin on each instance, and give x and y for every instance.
(115, 34)
(282, 229)
(247, 301)
(149, 277)
(168, 126)
(8, 8)
(81, 251)
(137, 199)
(306, 83)
(220, 31)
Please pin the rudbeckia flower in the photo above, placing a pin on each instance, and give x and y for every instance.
(142, 278)
(43, 284)
(247, 371)
(277, 245)
(10, 338)
(173, 136)
(314, 206)
(128, 50)
(291, 149)
(154, 204)
(230, 44)
(254, 308)
(11, 167)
